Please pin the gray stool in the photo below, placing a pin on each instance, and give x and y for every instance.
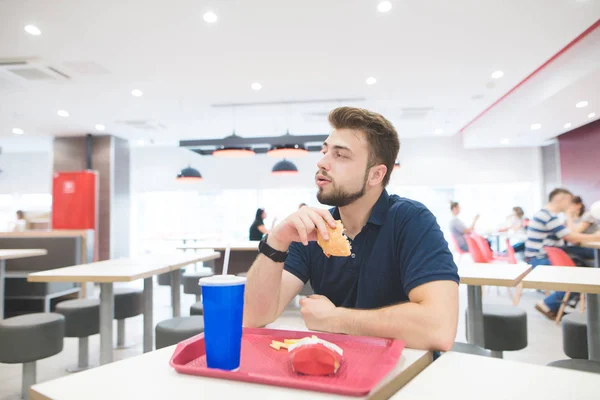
(129, 302)
(574, 331)
(174, 330)
(468, 348)
(82, 319)
(197, 309)
(190, 282)
(165, 279)
(504, 328)
(579, 365)
(28, 338)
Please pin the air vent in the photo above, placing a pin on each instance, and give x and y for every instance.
(415, 112)
(145, 125)
(30, 70)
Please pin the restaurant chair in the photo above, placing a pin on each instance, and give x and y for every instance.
(558, 257)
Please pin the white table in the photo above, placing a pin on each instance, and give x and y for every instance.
(478, 275)
(11, 254)
(469, 377)
(149, 377)
(578, 280)
(126, 270)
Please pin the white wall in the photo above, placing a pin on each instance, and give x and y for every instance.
(436, 161)
(26, 164)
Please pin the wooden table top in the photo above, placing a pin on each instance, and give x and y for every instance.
(470, 377)
(10, 254)
(591, 245)
(221, 246)
(564, 279)
(123, 270)
(493, 274)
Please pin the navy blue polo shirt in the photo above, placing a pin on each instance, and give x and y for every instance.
(401, 247)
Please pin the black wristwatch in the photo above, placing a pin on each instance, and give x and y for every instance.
(275, 255)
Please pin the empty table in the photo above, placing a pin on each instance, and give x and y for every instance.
(126, 270)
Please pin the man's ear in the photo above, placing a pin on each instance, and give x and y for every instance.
(376, 174)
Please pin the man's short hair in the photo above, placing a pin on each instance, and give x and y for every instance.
(558, 191)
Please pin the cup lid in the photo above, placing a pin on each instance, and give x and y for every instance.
(222, 280)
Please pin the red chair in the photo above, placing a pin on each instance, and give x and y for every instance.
(559, 258)
(487, 253)
(510, 253)
(457, 249)
(476, 254)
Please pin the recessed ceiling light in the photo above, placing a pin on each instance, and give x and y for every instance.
(535, 127)
(505, 141)
(33, 30)
(100, 127)
(256, 86)
(497, 75)
(62, 113)
(591, 115)
(137, 93)
(567, 125)
(371, 80)
(18, 131)
(210, 17)
(438, 131)
(384, 6)
(581, 104)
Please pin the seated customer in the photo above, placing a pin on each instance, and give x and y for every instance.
(580, 221)
(546, 229)
(400, 280)
(458, 228)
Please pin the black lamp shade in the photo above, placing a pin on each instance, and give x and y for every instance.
(284, 167)
(189, 174)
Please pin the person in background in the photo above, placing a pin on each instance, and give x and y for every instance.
(458, 228)
(517, 224)
(580, 221)
(546, 229)
(258, 229)
(20, 225)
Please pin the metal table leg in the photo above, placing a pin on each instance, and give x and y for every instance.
(148, 328)
(475, 321)
(107, 305)
(2, 275)
(593, 331)
(176, 292)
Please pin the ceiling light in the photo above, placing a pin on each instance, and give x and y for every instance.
(33, 30)
(371, 80)
(256, 86)
(284, 167)
(591, 115)
(287, 151)
(137, 93)
(384, 6)
(62, 113)
(233, 152)
(189, 174)
(505, 141)
(18, 131)
(581, 104)
(210, 17)
(100, 127)
(535, 127)
(497, 75)
(438, 131)
(567, 125)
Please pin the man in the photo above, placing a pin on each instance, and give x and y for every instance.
(546, 229)
(458, 229)
(400, 281)
(20, 225)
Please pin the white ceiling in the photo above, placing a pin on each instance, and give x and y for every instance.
(432, 55)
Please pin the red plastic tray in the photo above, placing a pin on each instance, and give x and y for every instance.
(366, 361)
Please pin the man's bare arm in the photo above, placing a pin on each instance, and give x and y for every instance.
(427, 322)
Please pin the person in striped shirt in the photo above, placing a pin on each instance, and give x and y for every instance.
(546, 229)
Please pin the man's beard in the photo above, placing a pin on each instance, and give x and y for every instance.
(341, 198)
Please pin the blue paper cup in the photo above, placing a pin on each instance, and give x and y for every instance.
(223, 303)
